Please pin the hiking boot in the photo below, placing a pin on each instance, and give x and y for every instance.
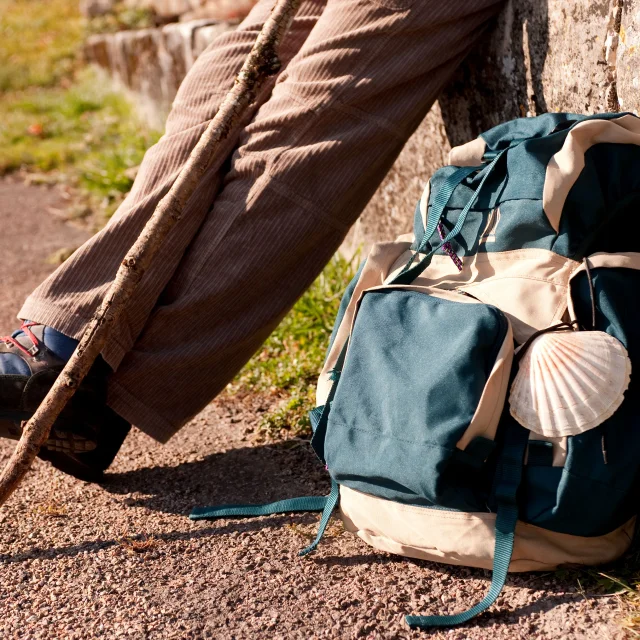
(87, 435)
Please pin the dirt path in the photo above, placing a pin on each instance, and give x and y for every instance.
(30, 234)
(123, 560)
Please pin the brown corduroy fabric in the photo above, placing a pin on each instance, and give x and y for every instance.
(358, 76)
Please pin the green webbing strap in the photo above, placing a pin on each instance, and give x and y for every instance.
(507, 483)
(409, 273)
(540, 453)
(437, 210)
(440, 202)
(330, 505)
(326, 504)
(291, 505)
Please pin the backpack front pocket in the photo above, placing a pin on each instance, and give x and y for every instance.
(419, 397)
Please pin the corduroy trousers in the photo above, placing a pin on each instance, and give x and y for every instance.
(357, 78)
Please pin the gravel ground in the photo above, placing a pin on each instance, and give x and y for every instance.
(123, 560)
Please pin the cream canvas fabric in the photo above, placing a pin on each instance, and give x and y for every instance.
(468, 538)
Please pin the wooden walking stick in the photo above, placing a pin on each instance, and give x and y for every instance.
(261, 63)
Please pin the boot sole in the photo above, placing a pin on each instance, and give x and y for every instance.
(60, 439)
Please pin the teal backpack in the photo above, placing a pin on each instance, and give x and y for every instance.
(477, 405)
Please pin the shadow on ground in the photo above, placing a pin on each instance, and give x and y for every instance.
(92, 546)
(265, 473)
(251, 474)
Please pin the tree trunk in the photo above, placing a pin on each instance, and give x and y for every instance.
(261, 63)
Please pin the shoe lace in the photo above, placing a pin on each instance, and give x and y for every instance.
(25, 328)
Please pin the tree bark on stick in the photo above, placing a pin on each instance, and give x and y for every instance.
(261, 63)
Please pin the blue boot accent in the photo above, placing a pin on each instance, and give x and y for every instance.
(62, 346)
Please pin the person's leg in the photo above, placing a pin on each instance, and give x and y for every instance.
(305, 167)
(67, 299)
(88, 434)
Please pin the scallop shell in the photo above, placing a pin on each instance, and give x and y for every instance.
(569, 382)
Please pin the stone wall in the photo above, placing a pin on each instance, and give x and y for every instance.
(195, 9)
(151, 63)
(541, 55)
(173, 10)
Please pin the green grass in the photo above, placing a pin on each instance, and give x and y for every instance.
(620, 579)
(288, 365)
(122, 18)
(58, 118)
(39, 42)
(87, 134)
